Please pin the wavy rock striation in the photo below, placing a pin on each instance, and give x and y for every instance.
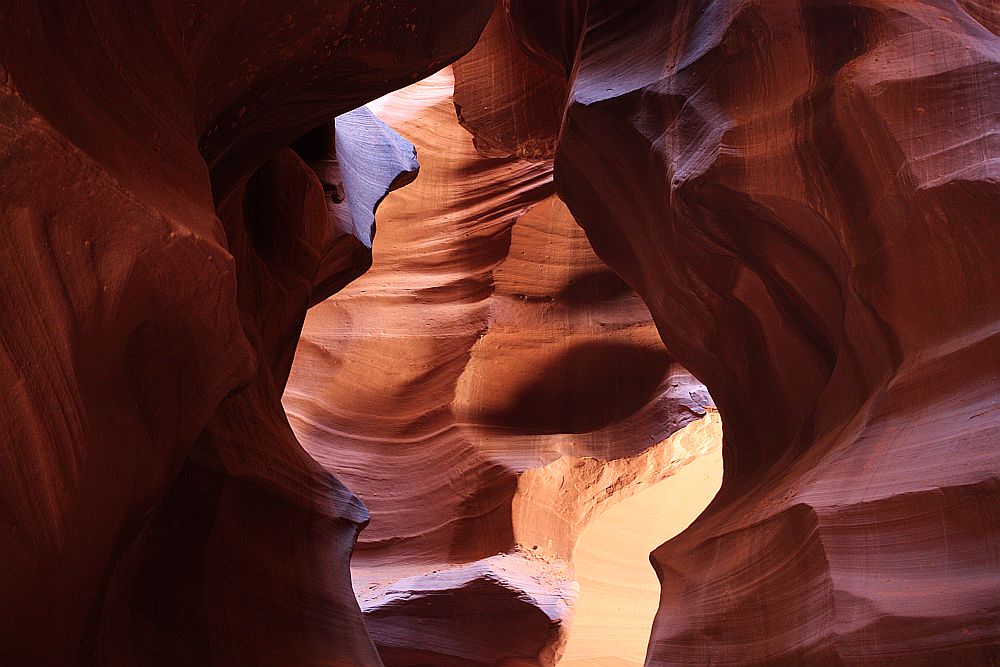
(805, 196)
(160, 250)
(488, 388)
(802, 195)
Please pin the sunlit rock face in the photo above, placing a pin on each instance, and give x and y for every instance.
(488, 388)
(805, 195)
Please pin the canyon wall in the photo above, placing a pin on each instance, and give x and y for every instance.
(804, 196)
(488, 388)
(161, 247)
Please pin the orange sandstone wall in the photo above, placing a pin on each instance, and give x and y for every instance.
(487, 388)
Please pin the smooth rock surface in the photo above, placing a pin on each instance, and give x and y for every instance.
(619, 590)
(160, 248)
(798, 204)
(806, 196)
(488, 388)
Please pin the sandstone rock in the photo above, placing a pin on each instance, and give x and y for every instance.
(798, 199)
(488, 389)
(805, 197)
(134, 301)
(451, 617)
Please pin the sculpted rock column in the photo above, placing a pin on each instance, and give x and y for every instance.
(805, 195)
(146, 300)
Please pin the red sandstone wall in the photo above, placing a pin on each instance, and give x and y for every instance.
(804, 194)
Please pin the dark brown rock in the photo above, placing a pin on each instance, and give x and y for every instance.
(141, 289)
(805, 196)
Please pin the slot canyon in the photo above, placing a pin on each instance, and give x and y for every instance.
(500, 333)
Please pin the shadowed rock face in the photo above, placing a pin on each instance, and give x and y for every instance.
(160, 249)
(803, 194)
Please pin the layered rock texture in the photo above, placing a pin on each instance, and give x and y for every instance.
(795, 201)
(805, 195)
(488, 388)
(161, 245)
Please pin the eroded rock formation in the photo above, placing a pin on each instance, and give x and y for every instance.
(803, 195)
(487, 388)
(160, 250)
